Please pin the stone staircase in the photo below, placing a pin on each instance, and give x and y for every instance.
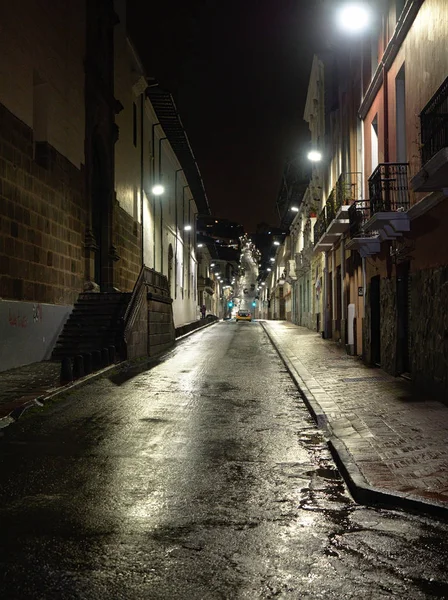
(96, 322)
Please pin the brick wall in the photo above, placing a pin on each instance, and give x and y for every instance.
(42, 218)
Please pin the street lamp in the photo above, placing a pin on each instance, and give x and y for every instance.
(187, 228)
(314, 156)
(157, 189)
(295, 208)
(354, 17)
(276, 243)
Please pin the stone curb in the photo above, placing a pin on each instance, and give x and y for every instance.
(182, 337)
(40, 401)
(361, 491)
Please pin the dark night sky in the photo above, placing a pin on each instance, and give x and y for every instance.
(238, 71)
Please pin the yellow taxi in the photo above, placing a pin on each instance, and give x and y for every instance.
(243, 315)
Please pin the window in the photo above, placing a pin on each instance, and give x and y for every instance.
(400, 111)
(374, 143)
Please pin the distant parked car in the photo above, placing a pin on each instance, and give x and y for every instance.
(243, 315)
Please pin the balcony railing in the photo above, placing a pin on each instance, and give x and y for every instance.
(389, 188)
(348, 189)
(434, 123)
(330, 206)
(359, 213)
(206, 282)
(320, 226)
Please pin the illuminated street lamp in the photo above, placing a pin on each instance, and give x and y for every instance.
(295, 208)
(157, 189)
(314, 155)
(276, 243)
(354, 17)
(272, 259)
(187, 228)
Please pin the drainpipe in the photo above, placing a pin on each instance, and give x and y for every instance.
(177, 232)
(325, 295)
(183, 244)
(364, 278)
(161, 204)
(343, 315)
(142, 100)
(153, 175)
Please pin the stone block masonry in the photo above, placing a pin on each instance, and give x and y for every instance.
(42, 219)
(429, 330)
(160, 326)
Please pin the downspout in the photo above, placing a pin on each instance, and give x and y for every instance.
(343, 311)
(325, 296)
(141, 176)
(177, 232)
(364, 282)
(153, 175)
(183, 241)
(161, 204)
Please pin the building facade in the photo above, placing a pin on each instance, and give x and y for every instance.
(85, 135)
(376, 261)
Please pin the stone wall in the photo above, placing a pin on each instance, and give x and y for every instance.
(388, 315)
(137, 337)
(42, 215)
(429, 329)
(161, 331)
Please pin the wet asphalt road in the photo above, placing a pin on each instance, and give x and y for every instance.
(202, 478)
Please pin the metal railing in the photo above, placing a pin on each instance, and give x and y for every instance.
(320, 226)
(389, 188)
(359, 213)
(206, 282)
(434, 123)
(330, 206)
(348, 189)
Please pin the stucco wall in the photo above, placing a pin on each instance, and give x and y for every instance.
(28, 331)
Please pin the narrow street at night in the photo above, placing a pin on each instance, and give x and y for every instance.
(201, 478)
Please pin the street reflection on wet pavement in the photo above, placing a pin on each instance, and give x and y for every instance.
(201, 478)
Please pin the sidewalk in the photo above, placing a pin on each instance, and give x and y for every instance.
(20, 388)
(389, 442)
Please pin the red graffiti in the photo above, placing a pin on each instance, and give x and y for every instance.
(17, 320)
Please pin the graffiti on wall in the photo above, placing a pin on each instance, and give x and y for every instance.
(37, 313)
(16, 318)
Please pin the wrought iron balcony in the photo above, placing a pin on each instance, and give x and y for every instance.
(388, 188)
(207, 284)
(358, 214)
(434, 137)
(434, 123)
(348, 189)
(366, 242)
(320, 226)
